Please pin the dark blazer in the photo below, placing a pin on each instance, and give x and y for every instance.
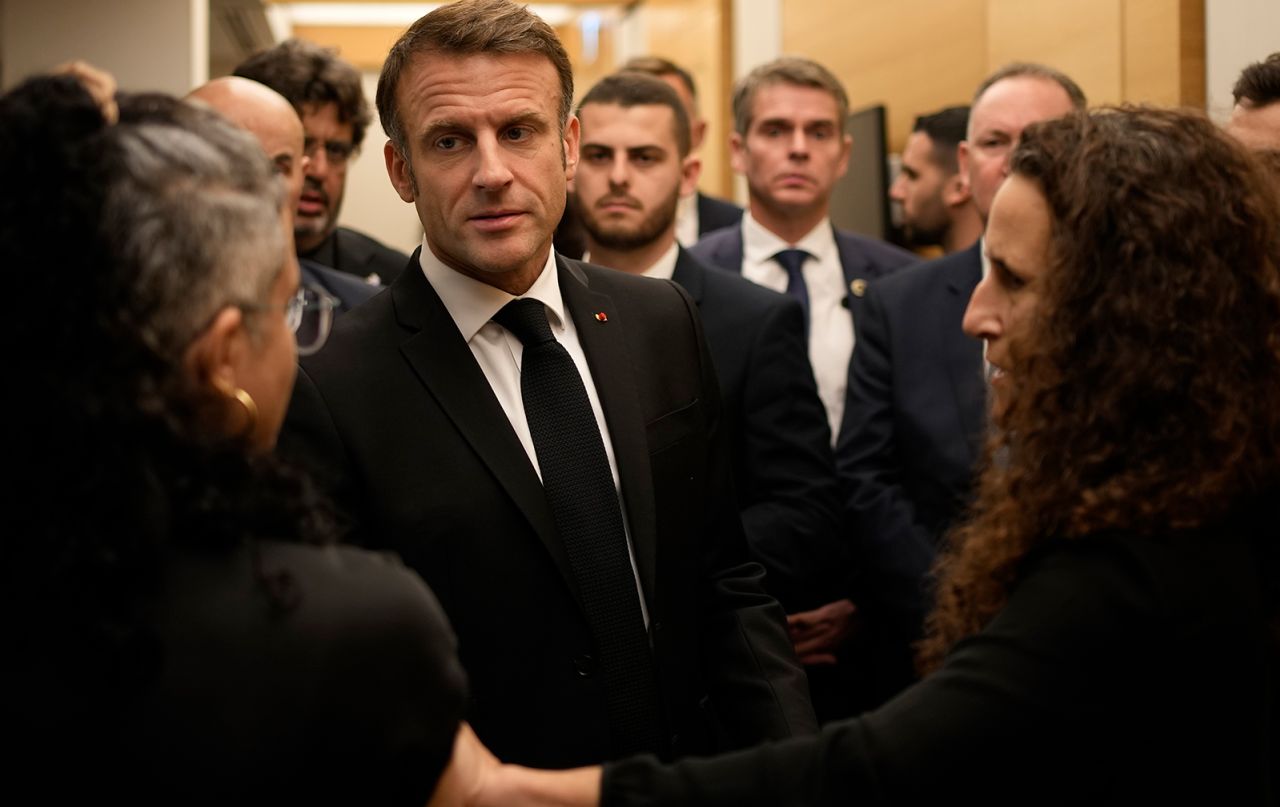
(357, 254)
(783, 467)
(913, 424)
(280, 673)
(349, 290)
(863, 259)
(399, 420)
(1122, 670)
(716, 214)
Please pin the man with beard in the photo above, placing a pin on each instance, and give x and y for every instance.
(635, 165)
(933, 196)
(326, 93)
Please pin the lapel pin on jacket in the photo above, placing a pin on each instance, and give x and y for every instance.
(858, 286)
(601, 316)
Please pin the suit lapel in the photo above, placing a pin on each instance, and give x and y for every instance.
(604, 343)
(964, 355)
(444, 364)
(689, 275)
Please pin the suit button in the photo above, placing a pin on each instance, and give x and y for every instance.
(585, 665)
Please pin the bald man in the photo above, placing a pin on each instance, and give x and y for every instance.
(265, 114)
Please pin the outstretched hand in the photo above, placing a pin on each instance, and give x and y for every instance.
(817, 634)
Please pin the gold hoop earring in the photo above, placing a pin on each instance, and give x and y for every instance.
(250, 410)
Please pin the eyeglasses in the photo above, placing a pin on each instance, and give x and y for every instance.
(309, 314)
(337, 152)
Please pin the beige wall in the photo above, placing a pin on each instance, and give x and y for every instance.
(920, 56)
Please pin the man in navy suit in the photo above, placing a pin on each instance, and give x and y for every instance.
(635, 163)
(916, 407)
(790, 144)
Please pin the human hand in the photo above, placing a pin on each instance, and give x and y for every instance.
(464, 779)
(817, 634)
(100, 84)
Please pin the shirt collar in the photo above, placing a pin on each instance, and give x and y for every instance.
(472, 303)
(665, 267)
(760, 245)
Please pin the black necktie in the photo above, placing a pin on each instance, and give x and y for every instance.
(584, 503)
(793, 260)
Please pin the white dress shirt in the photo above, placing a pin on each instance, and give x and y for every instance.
(830, 321)
(472, 305)
(687, 220)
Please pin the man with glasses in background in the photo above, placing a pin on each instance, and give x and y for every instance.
(326, 93)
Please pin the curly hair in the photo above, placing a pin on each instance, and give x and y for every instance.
(305, 74)
(112, 462)
(1148, 398)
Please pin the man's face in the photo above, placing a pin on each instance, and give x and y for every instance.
(996, 121)
(919, 190)
(329, 147)
(793, 151)
(485, 149)
(631, 174)
(1257, 127)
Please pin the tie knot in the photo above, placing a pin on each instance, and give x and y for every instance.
(792, 260)
(527, 319)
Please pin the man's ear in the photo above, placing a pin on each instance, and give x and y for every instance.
(846, 144)
(572, 137)
(962, 161)
(955, 190)
(690, 171)
(697, 133)
(399, 172)
(212, 357)
(737, 154)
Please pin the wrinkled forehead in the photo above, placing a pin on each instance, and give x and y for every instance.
(1012, 104)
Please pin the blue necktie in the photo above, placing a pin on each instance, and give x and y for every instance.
(792, 260)
(584, 503)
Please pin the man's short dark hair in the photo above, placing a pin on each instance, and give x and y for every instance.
(1035, 70)
(306, 74)
(945, 128)
(632, 88)
(1259, 83)
(658, 66)
(792, 70)
(471, 27)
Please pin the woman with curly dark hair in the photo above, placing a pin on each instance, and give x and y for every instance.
(177, 626)
(1104, 628)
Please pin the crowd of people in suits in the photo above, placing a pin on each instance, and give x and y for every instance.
(743, 507)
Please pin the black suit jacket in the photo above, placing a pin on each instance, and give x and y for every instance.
(357, 254)
(349, 290)
(913, 425)
(400, 419)
(862, 259)
(716, 214)
(783, 467)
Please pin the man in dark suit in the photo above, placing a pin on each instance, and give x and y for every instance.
(542, 439)
(697, 213)
(636, 162)
(916, 407)
(327, 94)
(789, 143)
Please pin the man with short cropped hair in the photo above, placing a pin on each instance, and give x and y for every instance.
(790, 144)
(539, 438)
(698, 213)
(326, 93)
(933, 196)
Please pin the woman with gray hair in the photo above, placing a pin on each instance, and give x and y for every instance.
(180, 626)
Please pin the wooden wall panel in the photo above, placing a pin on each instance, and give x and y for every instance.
(364, 46)
(1080, 37)
(912, 57)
